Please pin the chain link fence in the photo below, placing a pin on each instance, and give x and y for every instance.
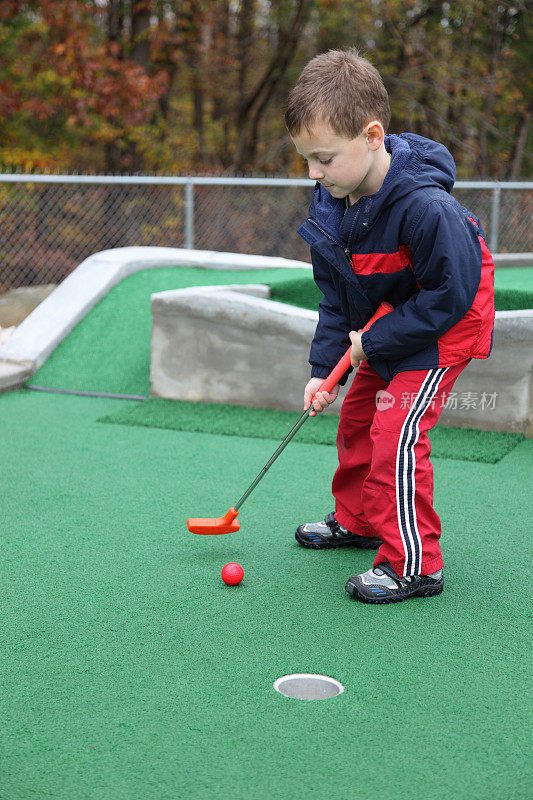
(50, 223)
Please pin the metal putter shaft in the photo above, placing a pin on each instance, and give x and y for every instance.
(229, 523)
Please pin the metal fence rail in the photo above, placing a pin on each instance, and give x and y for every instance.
(50, 223)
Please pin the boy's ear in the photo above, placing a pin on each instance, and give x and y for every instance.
(374, 134)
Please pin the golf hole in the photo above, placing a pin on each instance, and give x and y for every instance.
(304, 686)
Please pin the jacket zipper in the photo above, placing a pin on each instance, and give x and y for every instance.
(338, 244)
(332, 239)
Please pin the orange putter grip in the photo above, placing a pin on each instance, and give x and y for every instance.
(345, 363)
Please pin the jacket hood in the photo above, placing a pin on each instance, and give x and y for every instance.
(416, 163)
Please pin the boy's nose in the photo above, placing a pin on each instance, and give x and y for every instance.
(315, 174)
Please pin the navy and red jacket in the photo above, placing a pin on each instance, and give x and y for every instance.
(413, 245)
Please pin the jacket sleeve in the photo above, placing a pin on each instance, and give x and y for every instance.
(331, 339)
(446, 262)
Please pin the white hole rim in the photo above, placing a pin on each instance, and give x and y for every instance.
(298, 675)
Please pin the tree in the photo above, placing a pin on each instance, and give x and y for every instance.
(65, 86)
(200, 85)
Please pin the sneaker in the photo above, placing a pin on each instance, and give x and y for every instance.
(330, 533)
(382, 584)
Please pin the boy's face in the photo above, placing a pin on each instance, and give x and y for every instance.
(343, 166)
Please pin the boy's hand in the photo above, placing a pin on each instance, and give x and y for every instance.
(358, 354)
(322, 400)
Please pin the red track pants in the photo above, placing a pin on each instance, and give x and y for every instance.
(384, 483)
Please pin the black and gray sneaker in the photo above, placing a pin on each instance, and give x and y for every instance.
(382, 584)
(330, 533)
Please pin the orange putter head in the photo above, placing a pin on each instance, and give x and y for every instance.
(212, 527)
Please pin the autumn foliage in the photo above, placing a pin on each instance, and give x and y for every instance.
(199, 85)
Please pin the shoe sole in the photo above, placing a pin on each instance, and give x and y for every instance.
(323, 545)
(423, 591)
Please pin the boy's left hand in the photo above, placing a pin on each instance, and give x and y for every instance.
(358, 354)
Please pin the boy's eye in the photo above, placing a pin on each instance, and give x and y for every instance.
(322, 161)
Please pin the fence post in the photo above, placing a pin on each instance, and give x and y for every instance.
(189, 215)
(495, 219)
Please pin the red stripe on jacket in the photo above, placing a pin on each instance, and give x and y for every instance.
(471, 336)
(370, 263)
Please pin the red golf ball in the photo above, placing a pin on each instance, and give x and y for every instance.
(232, 573)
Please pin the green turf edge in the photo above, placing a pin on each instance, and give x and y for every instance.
(304, 293)
(460, 444)
(86, 360)
(109, 349)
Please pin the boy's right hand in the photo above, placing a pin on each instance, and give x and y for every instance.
(322, 400)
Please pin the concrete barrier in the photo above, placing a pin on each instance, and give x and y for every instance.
(492, 395)
(53, 319)
(496, 394)
(512, 259)
(230, 344)
(216, 344)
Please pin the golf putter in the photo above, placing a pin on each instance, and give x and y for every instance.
(229, 522)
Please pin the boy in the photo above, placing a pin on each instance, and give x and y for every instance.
(383, 226)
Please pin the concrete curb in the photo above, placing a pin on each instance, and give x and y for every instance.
(512, 259)
(217, 344)
(214, 344)
(42, 330)
(288, 329)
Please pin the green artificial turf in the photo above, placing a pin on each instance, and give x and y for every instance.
(129, 670)
(109, 350)
(301, 291)
(513, 290)
(229, 420)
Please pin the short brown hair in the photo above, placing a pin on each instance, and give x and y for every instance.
(340, 88)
